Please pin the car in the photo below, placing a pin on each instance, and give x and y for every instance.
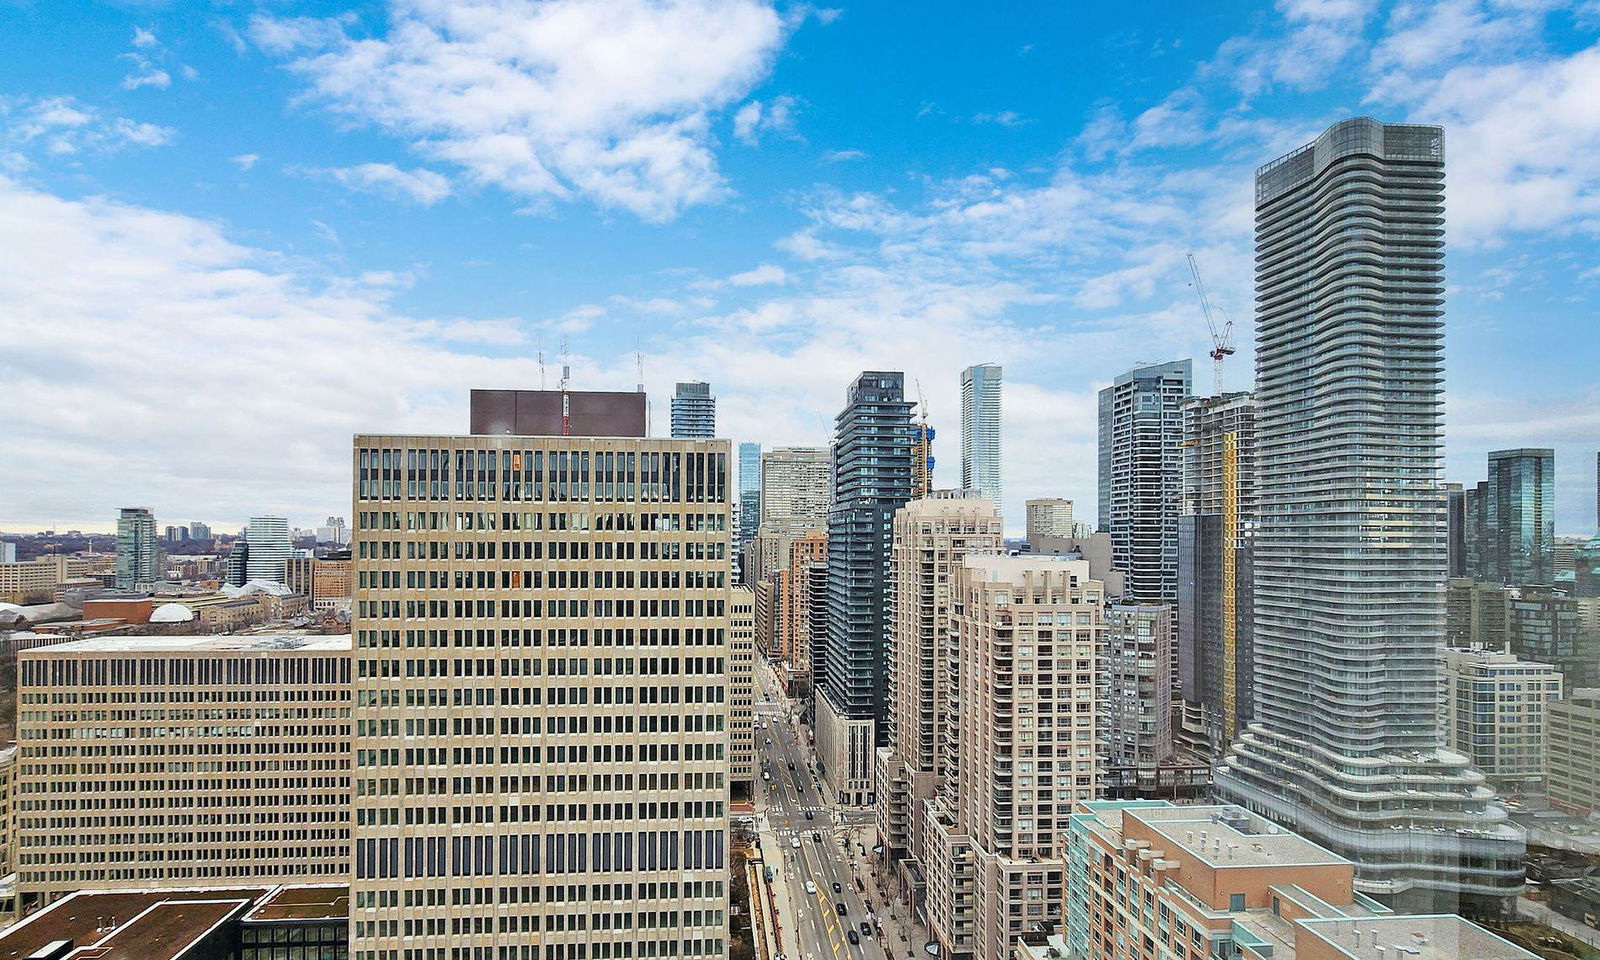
(766, 776)
(791, 762)
(811, 887)
(816, 836)
(769, 743)
(837, 887)
(810, 815)
(794, 842)
(853, 936)
(866, 929)
(839, 909)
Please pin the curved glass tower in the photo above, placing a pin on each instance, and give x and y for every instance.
(1351, 546)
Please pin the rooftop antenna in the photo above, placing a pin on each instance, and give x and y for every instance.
(541, 369)
(566, 401)
(1221, 343)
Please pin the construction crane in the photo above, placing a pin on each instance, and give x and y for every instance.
(1221, 343)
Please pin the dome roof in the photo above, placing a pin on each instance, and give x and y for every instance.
(171, 613)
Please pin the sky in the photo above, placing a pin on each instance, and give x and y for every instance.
(233, 234)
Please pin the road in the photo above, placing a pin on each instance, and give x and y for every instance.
(781, 807)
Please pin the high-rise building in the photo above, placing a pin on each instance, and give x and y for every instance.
(795, 489)
(8, 551)
(741, 689)
(871, 479)
(1492, 707)
(931, 538)
(1344, 746)
(921, 460)
(1548, 626)
(1141, 475)
(542, 731)
(980, 431)
(1136, 681)
(268, 556)
(1052, 517)
(1477, 615)
(749, 497)
(1518, 523)
(138, 561)
(175, 534)
(794, 624)
(1216, 524)
(1024, 750)
(1455, 525)
(1573, 726)
(335, 531)
(242, 752)
(694, 412)
(199, 531)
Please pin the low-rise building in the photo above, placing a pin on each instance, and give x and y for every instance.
(1147, 880)
(1572, 729)
(196, 761)
(37, 581)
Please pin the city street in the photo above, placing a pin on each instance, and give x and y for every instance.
(812, 928)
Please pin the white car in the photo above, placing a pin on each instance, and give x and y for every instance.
(794, 842)
(810, 887)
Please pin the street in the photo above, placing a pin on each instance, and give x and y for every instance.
(811, 926)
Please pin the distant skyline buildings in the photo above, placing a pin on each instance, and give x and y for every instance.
(1510, 520)
(138, 561)
(980, 431)
(694, 411)
(269, 547)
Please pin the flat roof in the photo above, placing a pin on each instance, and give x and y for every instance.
(129, 925)
(263, 643)
(327, 902)
(1440, 937)
(1226, 836)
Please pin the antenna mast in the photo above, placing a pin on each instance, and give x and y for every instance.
(566, 401)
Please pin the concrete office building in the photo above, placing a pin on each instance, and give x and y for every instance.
(1477, 614)
(1052, 517)
(931, 538)
(1493, 708)
(1573, 744)
(1147, 880)
(1027, 628)
(216, 762)
(980, 431)
(1141, 475)
(1216, 524)
(542, 691)
(871, 480)
(39, 580)
(795, 489)
(1344, 745)
(269, 548)
(138, 560)
(694, 412)
(331, 583)
(741, 689)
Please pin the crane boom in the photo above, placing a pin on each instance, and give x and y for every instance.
(1221, 342)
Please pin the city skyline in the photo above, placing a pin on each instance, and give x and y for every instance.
(817, 222)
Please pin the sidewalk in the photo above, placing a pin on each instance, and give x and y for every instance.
(1533, 910)
(903, 936)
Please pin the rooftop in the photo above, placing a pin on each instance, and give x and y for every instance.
(1411, 938)
(221, 644)
(1227, 836)
(126, 925)
(328, 902)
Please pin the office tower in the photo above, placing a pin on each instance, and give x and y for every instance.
(764, 616)
(1141, 471)
(8, 551)
(980, 431)
(921, 460)
(1148, 879)
(1344, 745)
(1052, 517)
(1492, 708)
(741, 689)
(299, 572)
(1024, 750)
(242, 752)
(764, 555)
(268, 556)
(541, 730)
(749, 497)
(1573, 726)
(236, 570)
(199, 531)
(1477, 615)
(871, 479)
(174, 534)
(1216, 523)
(694, 412)
(795, 622)
(1546, 625)
(138, 563)
(1519, 518)
(931, 537)
(1455, 525)
(795, 487)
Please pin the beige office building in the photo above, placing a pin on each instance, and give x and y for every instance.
(1573, 728)
(37, 581)
(1493, 707)
(931, 538)
(796, 483)
(795, 600)
(1026, 629)
(1052, 517)
(741, 688)
(542, 693)
(195, 761)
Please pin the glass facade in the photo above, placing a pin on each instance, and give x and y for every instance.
(1519, 518)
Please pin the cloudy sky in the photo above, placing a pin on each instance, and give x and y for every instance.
(233, 234)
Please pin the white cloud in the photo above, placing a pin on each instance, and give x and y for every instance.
(143, 38)
(65, 127)
(1005, 118)
(843, 156)
(147, 76)
(245, 161)
(761, 276)
(549, 99)
(746, 121)
(755, 118)
(385, 179)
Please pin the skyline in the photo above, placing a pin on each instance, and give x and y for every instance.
(207, 307)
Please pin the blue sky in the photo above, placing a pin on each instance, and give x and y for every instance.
(237, 233)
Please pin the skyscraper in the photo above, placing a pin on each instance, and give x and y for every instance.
(694, 412)
(1519, 518)
(541, 729)
(269, 549)
(795, 484)
(1350, 550)
(980, 431)
(1455, 524)
(199, 531)
(1216, 525)
(1141, 470)
(749, 496)
(871, 479)
(138, 564)
(922, 460)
